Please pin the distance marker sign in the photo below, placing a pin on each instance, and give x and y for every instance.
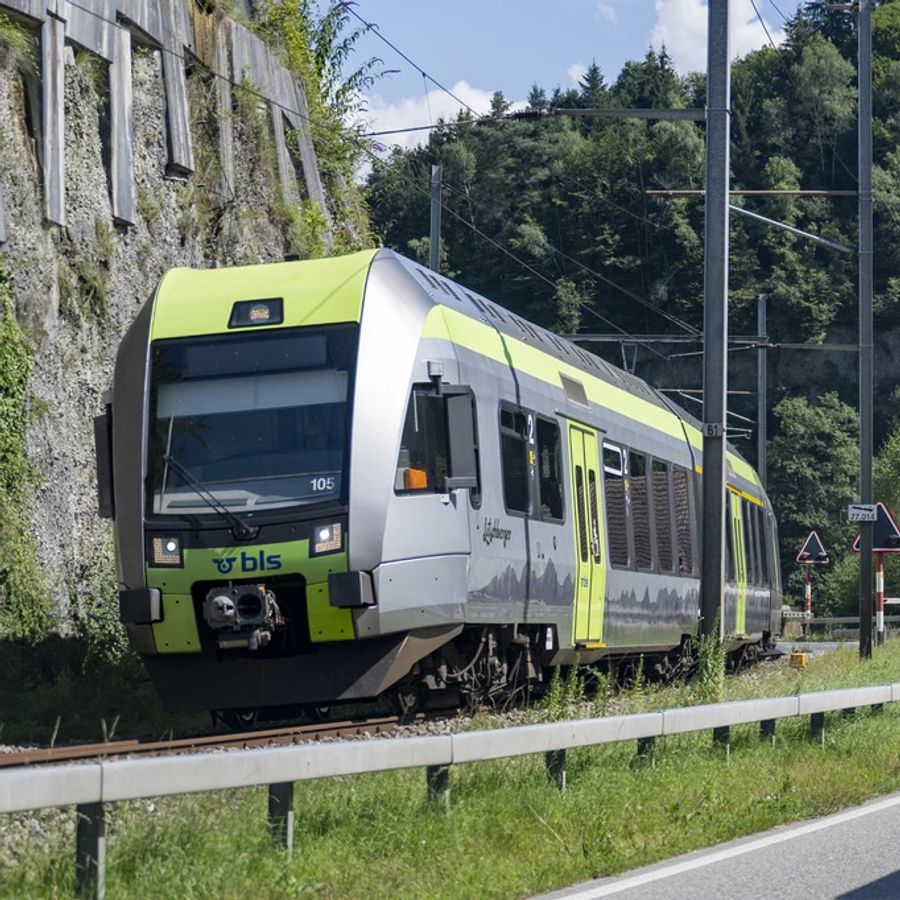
(885, 533)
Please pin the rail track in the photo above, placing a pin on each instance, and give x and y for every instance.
(293, 734)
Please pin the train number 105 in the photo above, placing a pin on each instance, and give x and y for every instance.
(322, 483)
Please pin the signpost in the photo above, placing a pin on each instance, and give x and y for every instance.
(812, 553)
(885, 539)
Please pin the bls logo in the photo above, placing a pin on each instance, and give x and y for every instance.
(249, 562)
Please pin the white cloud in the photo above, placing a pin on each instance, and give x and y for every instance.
(576, 72)
(410, 112)
(681, 26)
(605, 11)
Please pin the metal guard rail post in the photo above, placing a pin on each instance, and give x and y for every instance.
(88, 786)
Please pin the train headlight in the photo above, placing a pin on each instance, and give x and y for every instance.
(166, 552)
(327, 538)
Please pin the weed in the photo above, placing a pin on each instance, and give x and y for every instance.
(24, 596)
(147, 207)
(94, 74)
(16, 45)
(92, 294)
(104, 242)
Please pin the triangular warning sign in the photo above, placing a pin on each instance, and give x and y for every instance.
(885, 533)
(813, 552)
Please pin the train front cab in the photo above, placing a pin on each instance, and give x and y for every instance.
(252, 451)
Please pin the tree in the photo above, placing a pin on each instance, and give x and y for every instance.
(813, 474)
(593, 87)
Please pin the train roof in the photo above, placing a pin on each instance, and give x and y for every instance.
(449, 293)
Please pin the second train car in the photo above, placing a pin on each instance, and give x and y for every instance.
(342, 479)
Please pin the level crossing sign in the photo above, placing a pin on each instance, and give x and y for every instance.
(813, 552)
(885, 533)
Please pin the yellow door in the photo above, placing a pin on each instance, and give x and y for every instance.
(590, 563)
(740, 563)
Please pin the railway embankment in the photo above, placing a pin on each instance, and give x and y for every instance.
(508, 832)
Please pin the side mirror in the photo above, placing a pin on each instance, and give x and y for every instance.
(103, 450)
(463, 462)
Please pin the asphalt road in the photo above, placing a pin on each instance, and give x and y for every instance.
(852, 855)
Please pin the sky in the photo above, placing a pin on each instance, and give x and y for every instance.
(476, 47)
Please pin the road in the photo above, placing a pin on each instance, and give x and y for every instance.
(851, 855)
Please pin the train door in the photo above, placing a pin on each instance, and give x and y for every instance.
(740, 562)
(590, 565)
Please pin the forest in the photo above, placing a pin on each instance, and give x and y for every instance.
(558, 218)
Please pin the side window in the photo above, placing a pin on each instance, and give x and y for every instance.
(640, 509)
(749, 542)
(549, 451)
(662, 507)
(422, 461)
(764, 563)
(514, 459)
(729, 540)
(681, 490)
(616, 520)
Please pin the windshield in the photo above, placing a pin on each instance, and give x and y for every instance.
(258, 422)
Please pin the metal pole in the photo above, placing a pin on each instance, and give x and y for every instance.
(715, 321)
(434, 240)
(90, 851)
(762, 359)
(281, 814)
(807, 590)
(866, 338)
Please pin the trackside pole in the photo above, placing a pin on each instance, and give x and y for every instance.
(715, 321)
(879, 598)
(807, 590)
(90, 851)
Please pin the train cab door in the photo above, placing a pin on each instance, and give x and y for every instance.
(739, 548)
(590, 563)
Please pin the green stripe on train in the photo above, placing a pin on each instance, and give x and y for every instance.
(446, 323)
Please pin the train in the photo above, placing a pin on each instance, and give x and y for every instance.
(352, 479)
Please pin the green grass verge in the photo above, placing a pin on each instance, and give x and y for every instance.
(508, 833)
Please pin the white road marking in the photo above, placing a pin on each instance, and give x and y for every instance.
(716, 856)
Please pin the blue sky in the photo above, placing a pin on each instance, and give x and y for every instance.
(475, 48)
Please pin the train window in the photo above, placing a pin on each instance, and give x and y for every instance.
(662, 508)
(514, 433)
(595, 521)
(729, 540)
(422, 462)
(684, 543)
(759, 538)
(549, 451)
(765, 564)
(579, 507)
(640, 509)
(616, 520)
(749, 542)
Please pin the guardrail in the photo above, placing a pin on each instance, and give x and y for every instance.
(89, 786)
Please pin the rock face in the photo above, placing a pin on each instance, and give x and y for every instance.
(76, 288)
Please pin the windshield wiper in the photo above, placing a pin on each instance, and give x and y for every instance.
(240, 529)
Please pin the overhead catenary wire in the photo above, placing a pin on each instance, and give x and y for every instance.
(669, 317)
(373, 27)
(763, 23)
(780, 13)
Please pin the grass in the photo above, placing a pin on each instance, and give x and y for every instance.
(508, 833)
(56, 694)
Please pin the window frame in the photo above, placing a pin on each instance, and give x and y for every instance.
(562, 471)
(527, 441)
(620, 474)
